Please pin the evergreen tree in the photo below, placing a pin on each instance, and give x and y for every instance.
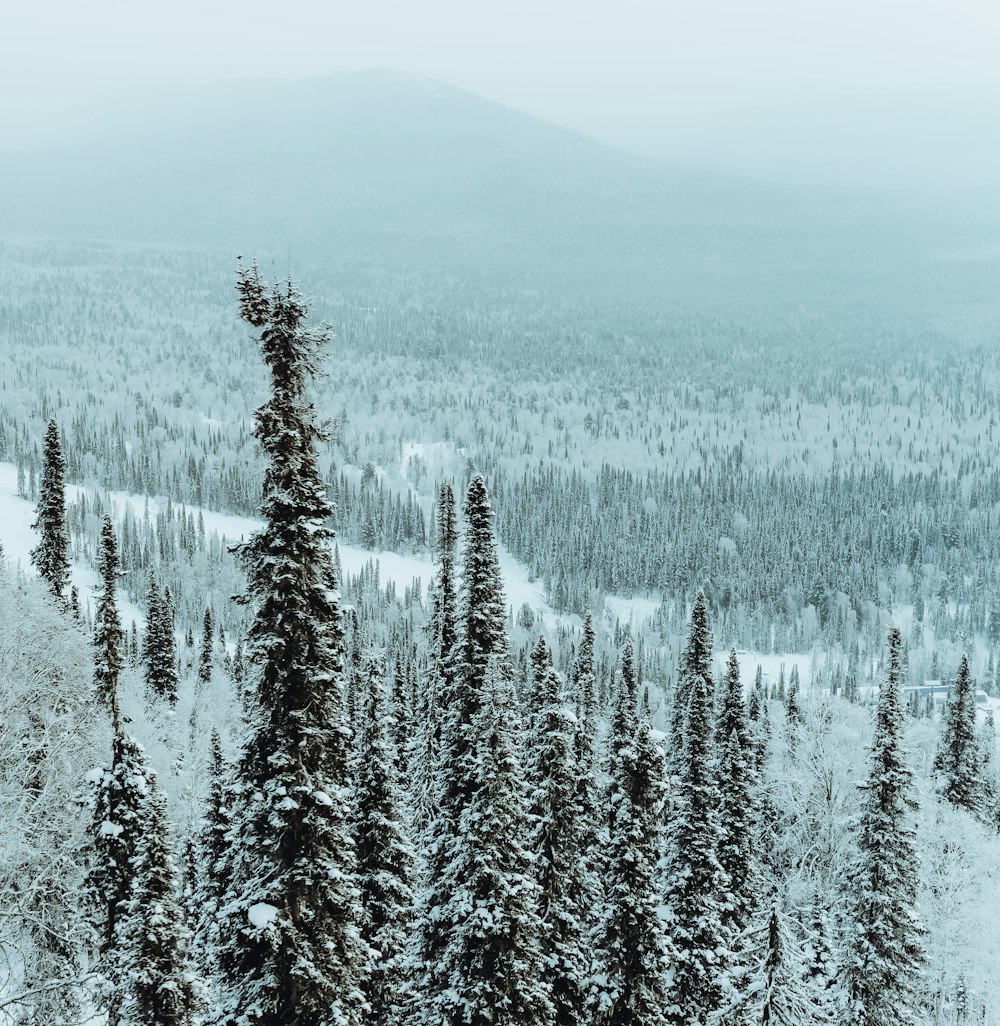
(385, 858)
(820, 962)
(633, 949)
(51, 556)
(484, 967)
(737, 805)
(108, 634)
(207, 649)
(696, 883)
(118, 826)
(493, 964)
(289, 948)
(884, 953)
(695, 673)
(436, 788)
(561, 869)
(159, 653)
(958, 760)
(213, 836)
(587, 798)
(793, 703)
(237, 667)
(152, 642)
(162, 989)
(759, 724)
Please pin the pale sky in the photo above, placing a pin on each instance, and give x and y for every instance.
(693, 79)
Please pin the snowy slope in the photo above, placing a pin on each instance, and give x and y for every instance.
(18, 539)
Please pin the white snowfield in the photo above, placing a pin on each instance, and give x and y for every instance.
(18, 539)
(18, 514)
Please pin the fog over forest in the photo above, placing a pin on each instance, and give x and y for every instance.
(500, 514)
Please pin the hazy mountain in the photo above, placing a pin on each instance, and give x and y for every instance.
(410, 172)
(365, 154)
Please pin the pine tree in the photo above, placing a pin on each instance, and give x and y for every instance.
(695, 671)
(793, 704)
(633, 949)
(561, 870)
(696, 884)
(159, 653)
(484, 967)
(958, 760)
(213, 835)
(436, 790)
(207, 649)
(493, 964)
(759, 724)
(152, 641)
(884, 947)
(161, 988)
(820, 963)
(385, 858)
(167, 672)
(108, 635)
(289, 948)
(51, 556)
(118, 825)
(585, 754)
(238, 669)
(737, 805)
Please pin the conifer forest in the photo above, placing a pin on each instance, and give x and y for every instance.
(454, 572)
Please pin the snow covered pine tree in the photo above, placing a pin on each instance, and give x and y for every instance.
(289, 948)
(51, 556)
(885, 955)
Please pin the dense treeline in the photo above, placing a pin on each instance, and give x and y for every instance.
(339, 804)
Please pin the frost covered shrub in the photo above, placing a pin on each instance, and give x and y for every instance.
(50, 729)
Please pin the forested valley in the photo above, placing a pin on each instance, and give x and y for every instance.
(591, 629)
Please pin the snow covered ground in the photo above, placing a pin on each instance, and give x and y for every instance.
(771, 665)
(18, 539)
(634, 611)
(17, 515)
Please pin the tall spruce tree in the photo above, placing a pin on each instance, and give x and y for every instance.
(118, 827)
(207, 649)
(493, 964)
(109, 638)
(289, 947)
(884, 957)
(695, 672)
(633, 952)
(51, 556)
(385, 857)
(159, 652)
(478, 944)
(162, 988)
(585, 744)
(213, 835)
(759, 723)
(737, 804)
(560, 859)
(436, 789)
(696, 884)
(958, 760)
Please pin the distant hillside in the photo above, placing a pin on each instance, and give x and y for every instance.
(416, 177)
(372, 156)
